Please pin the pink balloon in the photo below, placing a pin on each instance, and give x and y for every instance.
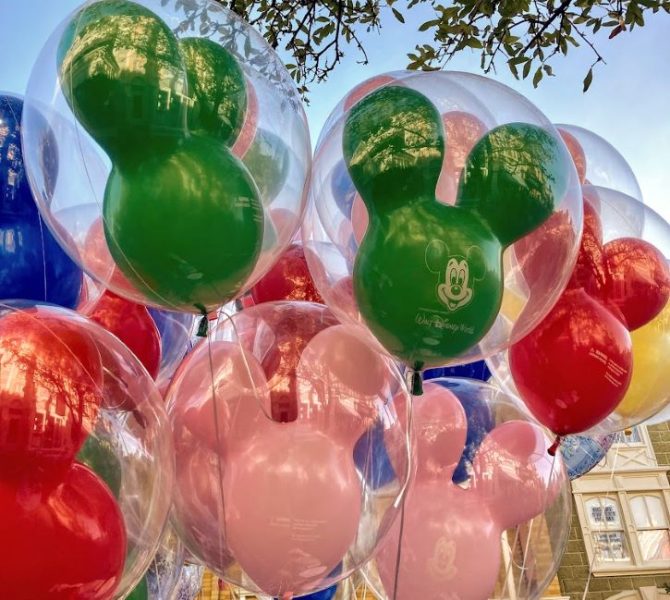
(281, 499)
(365, 88)
(450, 546)
(462, 131)
(293, 505)
(359, 219)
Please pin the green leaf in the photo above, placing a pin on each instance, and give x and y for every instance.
(588, 79)
(537, 77)
(526, 69)
(398, 15)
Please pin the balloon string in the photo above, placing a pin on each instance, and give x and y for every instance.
(522, 572)
(203, 326)
(555, 446)
(221, 508)
(404, 490)
(596, 549)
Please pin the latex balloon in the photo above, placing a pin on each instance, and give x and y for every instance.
(288, 279)
(50, 393)
(32, 264)
(576, 152)
(480, 421)
(132, 324)
(216, 83)
(269, 161)
(141, 592)
(637, 280)
(201, 186)
(649, 389)
(453, 252)
(169, 193)
(304, 474)
(574, 368)
(68, 544)
(450, 537)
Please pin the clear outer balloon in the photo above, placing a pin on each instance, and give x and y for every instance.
(130, 450)
(266, 414)
(581, 453)
(529, 277)
(632, 284)
(166, 568)
(598, 162)
(190, 582)
(233, 191)
(452, 543)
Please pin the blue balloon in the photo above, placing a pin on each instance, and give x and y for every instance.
(583, 452)
(480, 423)
(175, 332)
(475, 370)
(326, 594)
(32, 264)
(371, 458)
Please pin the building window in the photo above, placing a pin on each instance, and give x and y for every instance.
(623, 508)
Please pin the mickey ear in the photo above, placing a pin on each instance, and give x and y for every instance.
(514, 473)
(393, 146)
(514, 178)
(217, 87)
(437, 256)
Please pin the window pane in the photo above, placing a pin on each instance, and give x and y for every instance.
(611, 546)
(648, 511)
(633, 437)
(603, 513)
(655, 545)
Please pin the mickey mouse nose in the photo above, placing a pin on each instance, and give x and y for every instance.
(456, 290)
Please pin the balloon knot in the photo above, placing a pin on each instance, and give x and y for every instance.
(203, 326)
(555, 446)
(417, 383)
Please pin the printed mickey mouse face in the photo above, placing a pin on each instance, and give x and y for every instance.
(450, 541)
(427, 276)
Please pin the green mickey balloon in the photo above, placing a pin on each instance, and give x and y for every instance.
(428, 277)
(182, 216)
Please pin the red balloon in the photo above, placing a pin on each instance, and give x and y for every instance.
(289, 279)
(589, 271)
(50, 392)
(69, 544)
(133, 325)
(637, 284)
(575, 367)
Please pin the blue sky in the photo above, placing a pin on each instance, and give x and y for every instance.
(628, 103)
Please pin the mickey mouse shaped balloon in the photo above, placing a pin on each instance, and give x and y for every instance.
(428, 278)
(164, 192)
(269, 494)
(450, 537)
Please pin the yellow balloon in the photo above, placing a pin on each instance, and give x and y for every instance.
(649, 388)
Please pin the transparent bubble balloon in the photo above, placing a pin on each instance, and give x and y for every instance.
(279, 418)
(85, 434)
(183, 149)
(343, 590)
(625, 272)
(598, 162)
(501, 532)
(435, 289)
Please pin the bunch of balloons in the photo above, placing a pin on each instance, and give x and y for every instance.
(158, 171)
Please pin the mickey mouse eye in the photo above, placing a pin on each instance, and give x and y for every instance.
(461, 276)
(453, 276)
